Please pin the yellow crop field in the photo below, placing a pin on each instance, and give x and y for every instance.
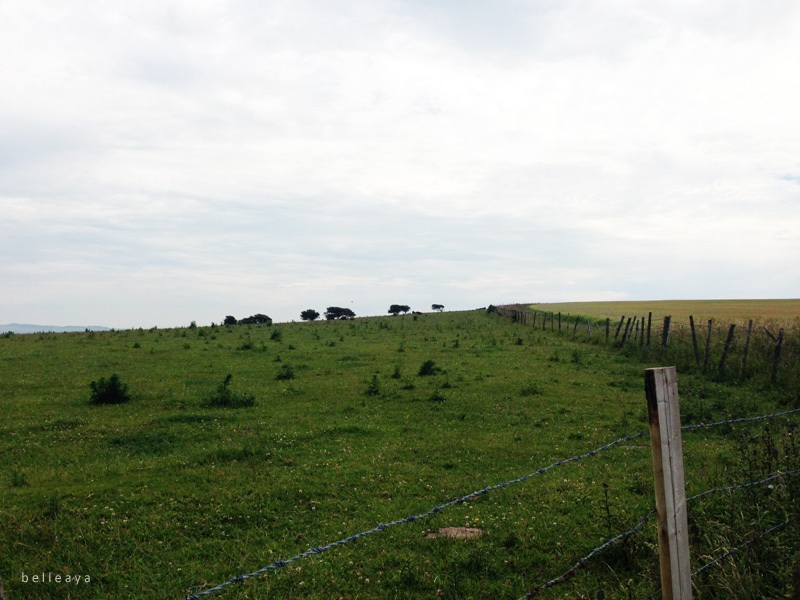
(782, 311)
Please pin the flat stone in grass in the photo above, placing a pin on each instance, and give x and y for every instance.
(457, 532)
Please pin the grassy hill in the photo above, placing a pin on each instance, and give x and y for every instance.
(353, 423)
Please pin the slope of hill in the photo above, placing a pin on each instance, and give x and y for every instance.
(27, 328)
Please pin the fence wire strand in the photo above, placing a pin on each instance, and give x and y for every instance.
(278, 564)
(586, 559)
(740, 420)
(741, 546)
(281, 563)
(622, 536)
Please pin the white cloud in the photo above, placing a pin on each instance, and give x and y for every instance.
(188, 155)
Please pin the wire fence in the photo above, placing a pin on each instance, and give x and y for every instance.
(765, 350)
(583, 562)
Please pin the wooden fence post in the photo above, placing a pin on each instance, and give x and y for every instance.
(665, 333)
(641, 340)
(708, 347)
(725, 350)
(746, 350)
(661, 388)
(649, 322)
(621, 321)
(608, 328)
(625, 334)
(694, 341)
(777, 357)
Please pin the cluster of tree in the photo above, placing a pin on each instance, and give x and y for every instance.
(332, 313)
(396, 309)
(337, 312)
(257, 319)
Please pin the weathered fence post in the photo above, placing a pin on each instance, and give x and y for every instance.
(621, 321)
(649, 323)
(725, 350)
(777, 357)
(708, 347)
(746, 350)
(641, 340)
(665, 333)
(608, 328)
(661, 388)
(694, 341)
(625, 334)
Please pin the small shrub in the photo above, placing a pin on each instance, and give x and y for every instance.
(530, 389)
(396, 373)
(276, 335)
(226, 397)
(109, 391)
(285, 373)
(437, 396)
(374, 387)
(428, 368)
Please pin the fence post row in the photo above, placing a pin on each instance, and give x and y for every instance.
(634, 327)
(661, 388)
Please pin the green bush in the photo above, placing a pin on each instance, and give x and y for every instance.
(428, 368)
(374, 387)
(224, 396)
(109, 391)
(285, 373)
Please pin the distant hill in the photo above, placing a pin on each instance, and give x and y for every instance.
(25, 328)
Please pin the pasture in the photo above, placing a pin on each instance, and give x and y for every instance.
(356, 423)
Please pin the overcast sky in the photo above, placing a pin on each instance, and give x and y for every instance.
(167, 161)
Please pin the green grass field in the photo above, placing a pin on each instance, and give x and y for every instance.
(165, 495)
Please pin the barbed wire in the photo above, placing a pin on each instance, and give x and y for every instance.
(281, 563)
(740, 546)
(730, 488)
(739, 420)
(585, 560)
(622, 536)
(278, 564)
